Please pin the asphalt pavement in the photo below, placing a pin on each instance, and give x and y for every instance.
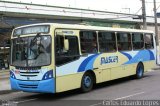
(128, 88)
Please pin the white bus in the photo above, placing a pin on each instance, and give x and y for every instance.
(51, 58)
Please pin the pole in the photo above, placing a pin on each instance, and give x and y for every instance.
(156, 25)
(144, 14)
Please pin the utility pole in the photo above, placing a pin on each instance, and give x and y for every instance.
(156, 25)
(144, 14)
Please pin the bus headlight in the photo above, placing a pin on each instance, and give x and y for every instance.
(48, 75)
(12, 75)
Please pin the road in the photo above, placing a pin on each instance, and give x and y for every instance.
(147, 88)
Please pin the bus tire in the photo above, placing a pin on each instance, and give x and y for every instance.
(87, 82)
(139, 71)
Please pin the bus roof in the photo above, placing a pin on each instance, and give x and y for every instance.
(89, 27)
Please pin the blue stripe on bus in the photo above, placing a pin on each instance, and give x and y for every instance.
(87, 64)
(144, 55)
(128, 55)
(151, 55)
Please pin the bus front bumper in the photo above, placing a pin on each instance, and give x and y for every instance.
(43, 86)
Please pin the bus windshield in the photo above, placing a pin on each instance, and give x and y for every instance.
(31, 51)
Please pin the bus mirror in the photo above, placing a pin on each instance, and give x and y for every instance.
(66, 44)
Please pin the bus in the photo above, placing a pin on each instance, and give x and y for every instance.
(53, 58)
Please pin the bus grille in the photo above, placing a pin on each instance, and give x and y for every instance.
(28, 86)
(28, 68)
(28, 74)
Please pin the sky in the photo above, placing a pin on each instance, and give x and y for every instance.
(124, 6)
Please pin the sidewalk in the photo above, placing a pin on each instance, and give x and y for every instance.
(4, 74)
(5, 86)
(4, 82)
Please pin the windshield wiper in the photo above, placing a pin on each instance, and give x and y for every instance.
(34, 40)
(34, 43)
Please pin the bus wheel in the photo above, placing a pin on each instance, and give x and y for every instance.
(87, 82)
(139, 71)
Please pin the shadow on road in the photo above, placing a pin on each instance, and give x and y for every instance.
(59, 96)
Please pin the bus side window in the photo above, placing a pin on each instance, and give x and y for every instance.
(63, 56)
(88, 41)
(107, 41)
(124, 41)
(59, 44)
(148, 38)
(138, 41)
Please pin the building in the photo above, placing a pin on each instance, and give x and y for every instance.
(13, 14)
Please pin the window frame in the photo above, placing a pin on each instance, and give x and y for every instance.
(112, 32)
(143, 41)
(131, 44)
(96, 41)
(152, 40)
(78, 55)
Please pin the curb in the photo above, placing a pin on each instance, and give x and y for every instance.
(157, 68)
(4, 78)
(3, 71)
